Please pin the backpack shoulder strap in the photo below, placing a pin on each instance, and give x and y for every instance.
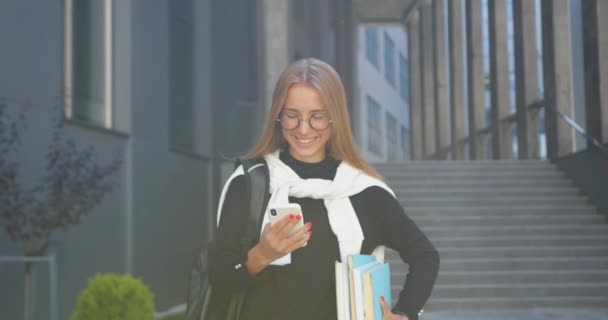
(257, 181)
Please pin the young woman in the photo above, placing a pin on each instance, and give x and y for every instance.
(313, 161)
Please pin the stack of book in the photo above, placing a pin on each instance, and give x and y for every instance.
(360, 282)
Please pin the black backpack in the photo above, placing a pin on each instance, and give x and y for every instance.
(203, 302)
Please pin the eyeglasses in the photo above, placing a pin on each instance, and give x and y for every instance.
(318, 121)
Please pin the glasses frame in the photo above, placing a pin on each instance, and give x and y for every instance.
(301, 118)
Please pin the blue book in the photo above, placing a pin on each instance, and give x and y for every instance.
(376, 284)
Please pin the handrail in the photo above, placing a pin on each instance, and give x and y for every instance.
(536, 105)
(577, 128)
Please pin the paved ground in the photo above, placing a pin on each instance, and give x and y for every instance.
(534, 314)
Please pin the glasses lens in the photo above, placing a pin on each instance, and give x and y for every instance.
(319, 121)
(289, 121)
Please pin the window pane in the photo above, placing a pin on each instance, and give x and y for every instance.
(403, 78)
(389, 64)
(391, 137)
(374, 138)
(405, 143)
(371, 45)
(89, 61)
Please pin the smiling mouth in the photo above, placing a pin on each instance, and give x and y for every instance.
(305, 141)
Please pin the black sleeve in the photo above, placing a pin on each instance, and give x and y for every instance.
(398, 232)
(227, 271)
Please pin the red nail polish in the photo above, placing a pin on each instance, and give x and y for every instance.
(309, 233)
(382, 298)
(298, 217)
(308, 224)
(291, 216)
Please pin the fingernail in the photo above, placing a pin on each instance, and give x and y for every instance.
(382, 298)
(291, 216)
(308, 224)
(309, 233)
(298, 217)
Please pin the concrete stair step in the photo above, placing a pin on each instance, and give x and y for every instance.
(524, 251)
(525, 263)
(467, 163)
(476, 175)
(553, 230)
(486, 201)
(504, 220)
(498, 290)
(550, 249)
(525, 240)
(514, 276)
(466, 167)
(472, 172)
(502, 210)
(413, 191)
(396, 182)
(477, 303)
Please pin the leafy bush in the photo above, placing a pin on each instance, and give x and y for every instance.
(116, 297)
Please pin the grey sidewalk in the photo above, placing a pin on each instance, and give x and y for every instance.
(532, 314)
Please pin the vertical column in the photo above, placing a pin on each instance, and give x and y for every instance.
(276, 44)
(596, 71)
(548, 76)
(602, 37)
(416, 119)
(475, 77)
(526, 78)
(428, 83)
(499, 75)
(346, 46)
(557, 44)
(590, 66)
(457, 81)
(441, 77)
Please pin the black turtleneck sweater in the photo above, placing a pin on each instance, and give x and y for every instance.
(305, 289)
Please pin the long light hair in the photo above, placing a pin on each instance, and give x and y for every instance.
(328, 84)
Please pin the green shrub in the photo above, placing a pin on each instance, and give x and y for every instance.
(115, 297)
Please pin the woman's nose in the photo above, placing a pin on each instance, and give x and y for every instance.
(304, 126)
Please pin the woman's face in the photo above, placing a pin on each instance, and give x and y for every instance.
(304, 105)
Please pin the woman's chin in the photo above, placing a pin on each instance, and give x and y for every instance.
(307, 154)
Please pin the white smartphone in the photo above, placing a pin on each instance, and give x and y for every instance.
(277, 212)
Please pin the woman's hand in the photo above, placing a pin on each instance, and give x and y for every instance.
(387, 314)
(276, 242)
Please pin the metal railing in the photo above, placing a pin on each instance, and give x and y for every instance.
(510, 120)
(51, 259)
(577, 128)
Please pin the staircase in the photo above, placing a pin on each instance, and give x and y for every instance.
(511, 234)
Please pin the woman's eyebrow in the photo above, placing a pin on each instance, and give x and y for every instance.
(296, 110)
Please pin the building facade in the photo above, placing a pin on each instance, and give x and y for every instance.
(179, 88)
(383, 72)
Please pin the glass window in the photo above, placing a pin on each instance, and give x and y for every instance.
(371, 45)
(389, 57)
(405, 143)
(404, 78)
(88, 61)
(391, 137)
(374, 133)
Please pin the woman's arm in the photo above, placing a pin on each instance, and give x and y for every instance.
(230, 268)
(227, 263)
(396, 230)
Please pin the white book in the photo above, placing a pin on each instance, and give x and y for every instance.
(342, 292)
(358, 289)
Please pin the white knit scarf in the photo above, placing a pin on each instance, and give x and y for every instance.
(284, 182)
